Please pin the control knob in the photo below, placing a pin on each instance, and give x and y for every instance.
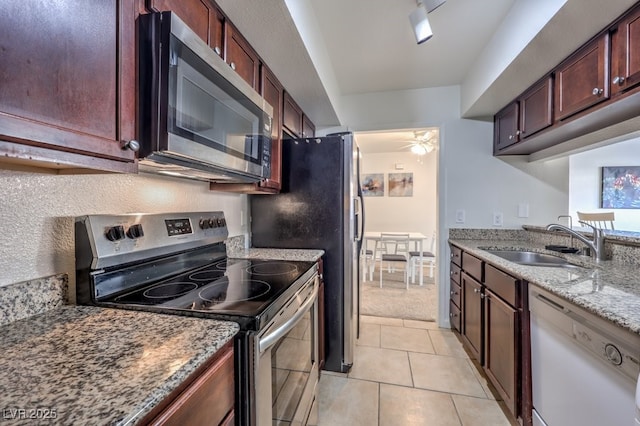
(135, 231)
(204, 224)
(213, 223)
(115, 233)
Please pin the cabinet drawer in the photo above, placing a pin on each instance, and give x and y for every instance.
(454, 316)
(455, 293)
(502, 284)
(454, 273)
(456, 255)
(473, 266)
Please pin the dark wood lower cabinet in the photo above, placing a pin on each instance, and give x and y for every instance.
(209, 399)
(501, 348)
(472, 329)
(491, 316)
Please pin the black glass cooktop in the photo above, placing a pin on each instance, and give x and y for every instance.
(233, 287)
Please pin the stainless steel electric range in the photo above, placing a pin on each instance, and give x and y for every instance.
(176, 264)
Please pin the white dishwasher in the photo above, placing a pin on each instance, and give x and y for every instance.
(584, 369)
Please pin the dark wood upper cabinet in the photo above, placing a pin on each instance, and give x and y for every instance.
(194, 13)
(291, 116)
(308, 129)
(536, 108)
(583, 79)
(625, 53)
(68, 84)
(216, 31)
(273, 92)
(505, 127)
(241, 57)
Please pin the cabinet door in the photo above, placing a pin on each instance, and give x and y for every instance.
(536, 107)
(194, 13)
(505, 127)
(472, 330)
(209, 400)
(625, 53)
(291, 116)
(308, 129)
(241, 57)
(216, 31)
(501, 360)
(68, 83)
(583, 80)
(273, 93)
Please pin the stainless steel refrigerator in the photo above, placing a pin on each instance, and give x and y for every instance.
(320, 207)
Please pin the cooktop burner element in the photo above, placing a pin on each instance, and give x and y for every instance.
(206, 275)
(171, 290)
(244, 290)
(238, 263)
(273, 268)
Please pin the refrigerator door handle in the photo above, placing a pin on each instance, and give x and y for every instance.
(357, 206)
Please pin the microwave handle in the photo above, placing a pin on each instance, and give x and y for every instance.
(270, 339)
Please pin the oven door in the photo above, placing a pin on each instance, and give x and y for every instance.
(287, 376)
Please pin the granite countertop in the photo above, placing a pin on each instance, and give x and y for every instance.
(608, 289)
(304, 255)
(94, 366)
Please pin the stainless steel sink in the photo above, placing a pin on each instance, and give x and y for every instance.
(531, 258)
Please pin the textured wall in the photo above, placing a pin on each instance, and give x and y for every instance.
(37, 213)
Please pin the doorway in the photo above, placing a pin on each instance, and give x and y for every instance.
(399, 173)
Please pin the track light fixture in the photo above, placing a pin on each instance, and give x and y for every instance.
(420, 21)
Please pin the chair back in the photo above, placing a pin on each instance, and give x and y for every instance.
(600, 220)
(394, 243)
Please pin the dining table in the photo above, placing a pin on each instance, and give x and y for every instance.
(417, 238)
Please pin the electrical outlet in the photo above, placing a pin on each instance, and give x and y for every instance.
(497, 218)
(460, 216)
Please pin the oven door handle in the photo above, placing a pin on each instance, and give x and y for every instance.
(270, 339)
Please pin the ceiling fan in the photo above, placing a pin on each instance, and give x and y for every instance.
(424, 142)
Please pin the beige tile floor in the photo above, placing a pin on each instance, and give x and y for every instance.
(407, 373)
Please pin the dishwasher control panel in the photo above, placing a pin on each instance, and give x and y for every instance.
(612, 352)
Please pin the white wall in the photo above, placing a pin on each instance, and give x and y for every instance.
(481, 184)
(405, 214)
(37, 211)
(585, 175)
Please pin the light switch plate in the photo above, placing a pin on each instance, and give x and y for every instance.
(523, 210)
(497, 218)
(460, 216)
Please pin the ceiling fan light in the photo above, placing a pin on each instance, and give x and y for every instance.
(419, 149)
(420, 23)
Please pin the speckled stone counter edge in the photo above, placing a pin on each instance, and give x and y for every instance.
(303, 255)
(33, 297)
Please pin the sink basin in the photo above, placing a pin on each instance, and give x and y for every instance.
(531, 258)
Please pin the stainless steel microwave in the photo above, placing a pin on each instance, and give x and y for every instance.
(198, 118)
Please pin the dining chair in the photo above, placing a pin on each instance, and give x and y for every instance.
(600, 220)
(368, 263)
(428, 256)
(394, 249)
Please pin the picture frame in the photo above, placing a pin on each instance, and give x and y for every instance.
(372, 184)
(400, 184)
(620, 187)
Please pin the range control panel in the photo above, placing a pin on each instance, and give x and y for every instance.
(142, 236)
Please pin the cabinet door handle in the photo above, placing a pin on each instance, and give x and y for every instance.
(597, 92)
(510, 137)
(217, 50)
(132, 145)
(476, 290)
(618, 80)
(233, 66)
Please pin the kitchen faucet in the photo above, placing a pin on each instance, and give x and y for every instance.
(596, 246)
(570, 220)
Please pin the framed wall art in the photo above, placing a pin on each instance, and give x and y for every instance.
(400, 184)
(372, 185)
(620, 187)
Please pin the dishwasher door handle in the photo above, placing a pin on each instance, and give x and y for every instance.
(551, 303)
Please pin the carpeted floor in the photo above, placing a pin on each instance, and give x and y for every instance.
(395, 301)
